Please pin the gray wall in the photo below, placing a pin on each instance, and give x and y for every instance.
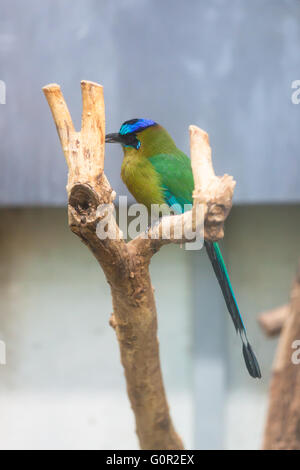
(63, 385)
(225, 65)
(261, 248)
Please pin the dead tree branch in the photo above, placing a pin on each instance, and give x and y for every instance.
(126, 265)
(272, 321)
(283, 421)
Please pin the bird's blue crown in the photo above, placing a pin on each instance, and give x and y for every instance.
(135, 125)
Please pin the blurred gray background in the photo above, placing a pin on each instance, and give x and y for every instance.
(224, 65)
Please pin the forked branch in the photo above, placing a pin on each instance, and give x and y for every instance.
(126, 265)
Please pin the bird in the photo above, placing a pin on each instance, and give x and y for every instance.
(155, 171)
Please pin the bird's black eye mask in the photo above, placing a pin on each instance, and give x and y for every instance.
(131, 140)
(127, 140)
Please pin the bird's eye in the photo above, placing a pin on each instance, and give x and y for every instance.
(130, 140)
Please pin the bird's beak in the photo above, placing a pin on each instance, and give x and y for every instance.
(113, 138)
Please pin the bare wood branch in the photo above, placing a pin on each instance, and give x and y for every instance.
(201, 161)
(126, 265)
(93, 124)
(134, 316)
(272, 321)
(283, 421)
(61, 116)
(213, 191)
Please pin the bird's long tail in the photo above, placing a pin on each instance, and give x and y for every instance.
(220, 270)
